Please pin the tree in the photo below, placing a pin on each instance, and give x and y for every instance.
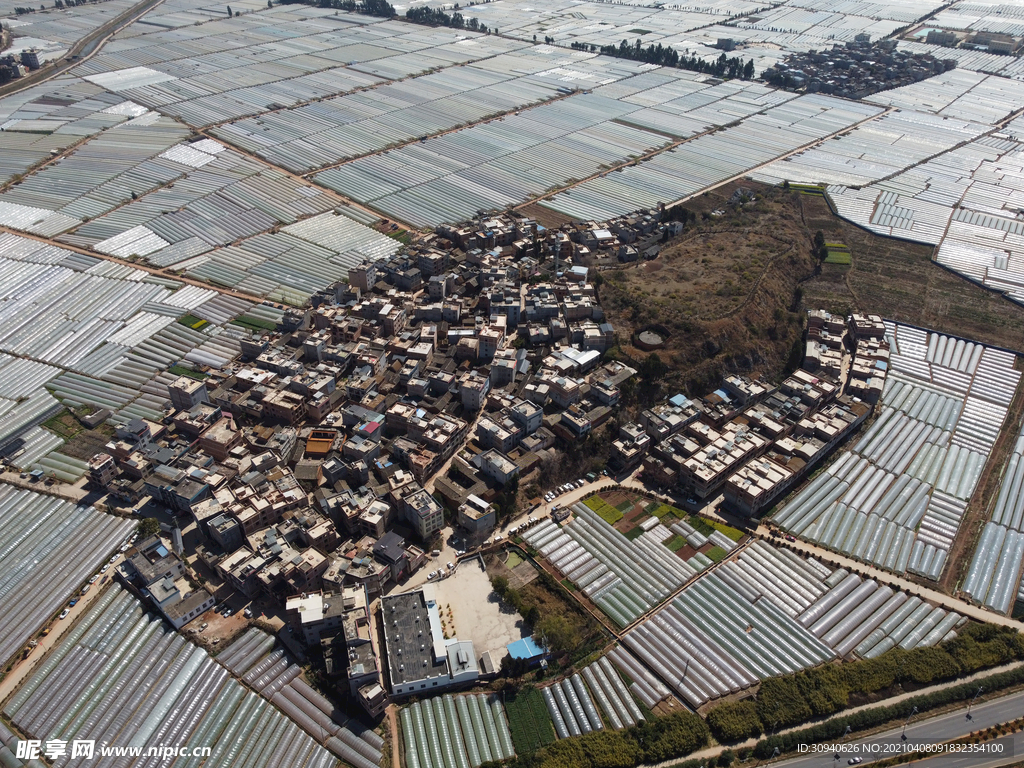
(149, 527)
(509, 497)
(653, 368)
(819, 245)
(559, 635)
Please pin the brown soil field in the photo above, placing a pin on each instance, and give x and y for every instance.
(899, 281)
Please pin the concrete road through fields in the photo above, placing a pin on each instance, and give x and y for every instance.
(1012, 754)
(935, 730)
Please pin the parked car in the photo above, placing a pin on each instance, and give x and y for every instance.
(791, 538)
(248, 613)
(74, 602)
(94, 579)
(86, 588)
(451, 566)
(204, 625)
(64, 613)
(112, 560)
(105, 568)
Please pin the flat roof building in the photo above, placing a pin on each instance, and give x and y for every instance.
(419, 657)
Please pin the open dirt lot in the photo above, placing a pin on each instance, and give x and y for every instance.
(477, 614)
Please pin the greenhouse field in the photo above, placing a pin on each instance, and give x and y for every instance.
(897, 497)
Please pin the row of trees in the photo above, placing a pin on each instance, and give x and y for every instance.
(651, 741)
(667, 56)
(381, 8)
(435, 17)
(789, 700)
(835, 728)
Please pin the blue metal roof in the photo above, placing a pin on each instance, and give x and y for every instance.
(524, 649)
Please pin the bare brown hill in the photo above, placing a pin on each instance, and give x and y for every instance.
(733, 288)
(726, 290)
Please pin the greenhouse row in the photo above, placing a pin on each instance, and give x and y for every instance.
(600, 23)
(50, 548)
(958, 94)
(606, 566)
(8, 751)
(571, 708)
(235, 70)
(875, 150)
(768, 612)
(645, 686)
(712, 640)
(792, 582)
(103, 173)
(610, 693)
(953, 201)
(980, 18)
(227, 198)
(860, 616)
(326, 132)
(121, 677)
(708, 160)
(112, 329)
(897, 498)
(269, 672)
(994, 578)
(57, 28)
(495, 164)
(455, 732)
(53, 116)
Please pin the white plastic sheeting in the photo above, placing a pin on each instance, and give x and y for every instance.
(768, 612)
(994, 577)
(897, 497)
(121, 676)
(455, 732)
(49, 548)
(271, 674)
(606, 566)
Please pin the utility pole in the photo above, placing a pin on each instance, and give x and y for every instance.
(913, 712)
(976, 695)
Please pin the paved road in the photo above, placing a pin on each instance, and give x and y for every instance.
(58, 629)
(1013, 753)
(984, 714)
(85, 49)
